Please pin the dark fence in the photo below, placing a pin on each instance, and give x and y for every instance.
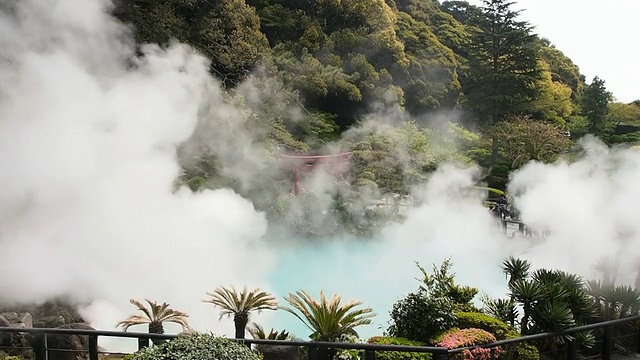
(609, 341)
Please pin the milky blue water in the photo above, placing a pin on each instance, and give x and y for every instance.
(353, 268)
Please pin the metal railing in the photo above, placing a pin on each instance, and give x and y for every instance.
(41, 336)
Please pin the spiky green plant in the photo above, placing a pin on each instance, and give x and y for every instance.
(328, 319)
(257, 332)
(155, 315)
(515, 269)
(502, 309)
(527, 293)
(606, 266)
(241, 304)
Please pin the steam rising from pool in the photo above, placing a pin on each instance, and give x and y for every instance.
(89, 208)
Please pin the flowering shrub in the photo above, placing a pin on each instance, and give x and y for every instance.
(457, 338)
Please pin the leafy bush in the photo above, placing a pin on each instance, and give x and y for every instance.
(420, 317)
(519, 351)
(466, 320)
(128, 357)
(427, 313)
(502, 331)
(396, 355)
(198, 346)
(458, 338)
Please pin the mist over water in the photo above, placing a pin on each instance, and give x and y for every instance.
(89, 209)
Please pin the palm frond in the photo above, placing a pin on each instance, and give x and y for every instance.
(515, 269)
(328, 318)
(231, 302)
(155, 313)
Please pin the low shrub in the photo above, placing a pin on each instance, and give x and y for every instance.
(466, 320)
(519, 351)
(502, 331)
(460, 338)
(421, 317)
(396, 355)
(198, 346)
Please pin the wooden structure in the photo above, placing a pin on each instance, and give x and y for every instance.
(335, 164)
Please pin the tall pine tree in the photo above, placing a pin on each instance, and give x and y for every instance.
(503, 62)
(595, 106)
(503, 65)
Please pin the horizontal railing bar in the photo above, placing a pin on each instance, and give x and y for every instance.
(327, 344)
(85, 332)
(344, 345)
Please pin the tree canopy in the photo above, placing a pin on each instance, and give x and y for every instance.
(451, 82)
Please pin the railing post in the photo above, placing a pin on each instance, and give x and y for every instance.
(441, 355)
(40, 348)
(143, 343)
(369, 355)
(607, 343)
(638, 339)
(572, 349)
(93, 347)
(312, 353)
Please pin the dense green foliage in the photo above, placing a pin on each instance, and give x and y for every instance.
(501, 331)
(405, 85)
(465, 320)
(394, 355)
(430, 311)
(198, 346)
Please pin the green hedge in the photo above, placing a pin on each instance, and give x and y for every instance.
(520, 351)
(396, 355)
(198, 346)
(502, 331)
(467, 320)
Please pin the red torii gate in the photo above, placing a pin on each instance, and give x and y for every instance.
(333, 164)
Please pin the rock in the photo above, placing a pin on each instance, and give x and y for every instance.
(280, 352)
(16, 320)
(4, 322)
(70, 347)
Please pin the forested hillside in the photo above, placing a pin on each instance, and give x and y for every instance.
(452, 81)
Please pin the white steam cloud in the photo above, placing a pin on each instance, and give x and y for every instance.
(88, 140)
(88, 208)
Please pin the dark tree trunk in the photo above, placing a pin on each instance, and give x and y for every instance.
(524, 323)
(240, 320)
(156, 328)
(494, 149)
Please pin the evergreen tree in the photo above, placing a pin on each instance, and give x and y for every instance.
(503, 65)
(595, 106)
(503, 62)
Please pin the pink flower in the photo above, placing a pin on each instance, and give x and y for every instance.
(457, 338)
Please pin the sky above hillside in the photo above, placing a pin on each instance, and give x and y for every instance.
(598, 36)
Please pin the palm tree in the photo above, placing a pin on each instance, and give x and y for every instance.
(155, 316)
(527, 293)
(502, 309)
(515, 269)
(608, 268)
(328, 319)
(240, 305)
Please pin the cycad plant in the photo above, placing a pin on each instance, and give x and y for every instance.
(155, 315)
(515, 269)
(527, 293)
(241, 305)
(257, 332)
(502, 309)
(328, 319)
